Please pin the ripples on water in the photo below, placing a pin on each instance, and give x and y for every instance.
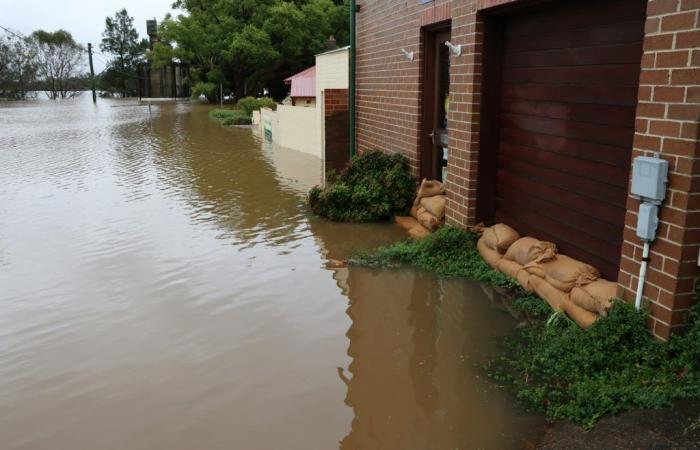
(163, 287)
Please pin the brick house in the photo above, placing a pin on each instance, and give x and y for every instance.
(534, 111)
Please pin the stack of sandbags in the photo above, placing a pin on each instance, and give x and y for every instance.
(495, 241)
(565, 283)
(525, 250)
(428, 211)
(429, 206)
(554, 279)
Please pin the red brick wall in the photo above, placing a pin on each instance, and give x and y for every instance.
(667, 122)
(335, 128)
(388, 118)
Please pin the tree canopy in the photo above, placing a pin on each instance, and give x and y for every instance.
(121, 40)
(59, 63)
(248, 45)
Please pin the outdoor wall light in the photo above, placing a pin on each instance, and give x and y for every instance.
(409, 55)
(455, 49)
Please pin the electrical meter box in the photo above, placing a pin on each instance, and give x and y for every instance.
(647, 221)
(649, 178)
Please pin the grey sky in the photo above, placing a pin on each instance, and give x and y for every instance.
(84, 19)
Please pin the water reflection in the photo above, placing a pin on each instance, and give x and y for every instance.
(414, 381)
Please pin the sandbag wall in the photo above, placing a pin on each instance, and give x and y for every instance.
(566, 284)
(428, 211)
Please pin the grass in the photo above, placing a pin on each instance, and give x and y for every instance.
(451, 253)
(552, 365)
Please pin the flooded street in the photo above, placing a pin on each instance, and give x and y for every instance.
(163, 286)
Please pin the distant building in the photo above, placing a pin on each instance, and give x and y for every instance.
(303, 87)
(162, 82)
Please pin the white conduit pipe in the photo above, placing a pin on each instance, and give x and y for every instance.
(642, 275)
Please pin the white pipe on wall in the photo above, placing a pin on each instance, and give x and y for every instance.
(642, 275)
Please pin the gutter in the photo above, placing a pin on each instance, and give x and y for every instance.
(351, 77)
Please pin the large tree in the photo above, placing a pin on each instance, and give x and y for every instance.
(121, 40)
(17, 66)
(248, 45)
(59, 61)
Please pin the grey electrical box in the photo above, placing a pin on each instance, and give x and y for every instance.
(647, 221)
(649, 178)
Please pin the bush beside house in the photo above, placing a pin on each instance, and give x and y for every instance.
(373, 187)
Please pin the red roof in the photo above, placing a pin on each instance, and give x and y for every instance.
(303, 83)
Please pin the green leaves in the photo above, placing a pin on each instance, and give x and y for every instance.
(372, 188)
(614, 366)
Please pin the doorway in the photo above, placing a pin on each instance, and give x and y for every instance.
(436, 94)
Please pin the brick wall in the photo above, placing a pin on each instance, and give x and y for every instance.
(336, 131)
(389, 107)
(667, 122)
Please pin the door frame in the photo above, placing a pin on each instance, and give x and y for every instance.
(428, 98)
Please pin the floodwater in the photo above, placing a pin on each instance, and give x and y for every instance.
(163, 286)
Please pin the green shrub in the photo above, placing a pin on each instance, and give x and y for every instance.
(250, 104)
(451, 252)
(373, 187)
(230, 116)
(206, 89)
(581, 375)
(240, 119)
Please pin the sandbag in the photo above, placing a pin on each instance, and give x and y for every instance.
(418, 231)
(528, 249)
(564, 272)
(435, 205)
(552, 295)
(597, 297)
(426, 219)
(429, 188)
(406, 222)
(499, 237)
(524, 279)
(490, 256)
(583, 318)
(510, 268)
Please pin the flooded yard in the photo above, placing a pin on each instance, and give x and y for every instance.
(163, 286)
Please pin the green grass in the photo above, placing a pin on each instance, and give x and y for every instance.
(552, 365)
(451, 253)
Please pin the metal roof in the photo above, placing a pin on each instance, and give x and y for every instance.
(303, 83)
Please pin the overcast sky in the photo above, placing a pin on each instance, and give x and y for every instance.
(84, 19)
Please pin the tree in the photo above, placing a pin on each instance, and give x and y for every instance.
(59, 62)
(248, 45)
(17, 67)
(121, 39)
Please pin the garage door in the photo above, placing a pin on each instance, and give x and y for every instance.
(568, 93)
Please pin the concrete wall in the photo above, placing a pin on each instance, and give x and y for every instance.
(293, 127)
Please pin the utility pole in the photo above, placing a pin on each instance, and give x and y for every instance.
(92, 73)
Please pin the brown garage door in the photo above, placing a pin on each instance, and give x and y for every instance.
(568, 92)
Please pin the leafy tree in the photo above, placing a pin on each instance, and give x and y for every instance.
(17, 66)
(121, 39)
(59, 61)
(248, 45)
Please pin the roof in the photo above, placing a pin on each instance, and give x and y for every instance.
(303, 83)
(335, 50)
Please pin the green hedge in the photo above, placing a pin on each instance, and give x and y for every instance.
(372, 188)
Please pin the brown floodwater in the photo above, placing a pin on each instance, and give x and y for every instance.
(163, 286)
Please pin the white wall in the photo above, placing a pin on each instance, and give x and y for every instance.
(292, 127)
